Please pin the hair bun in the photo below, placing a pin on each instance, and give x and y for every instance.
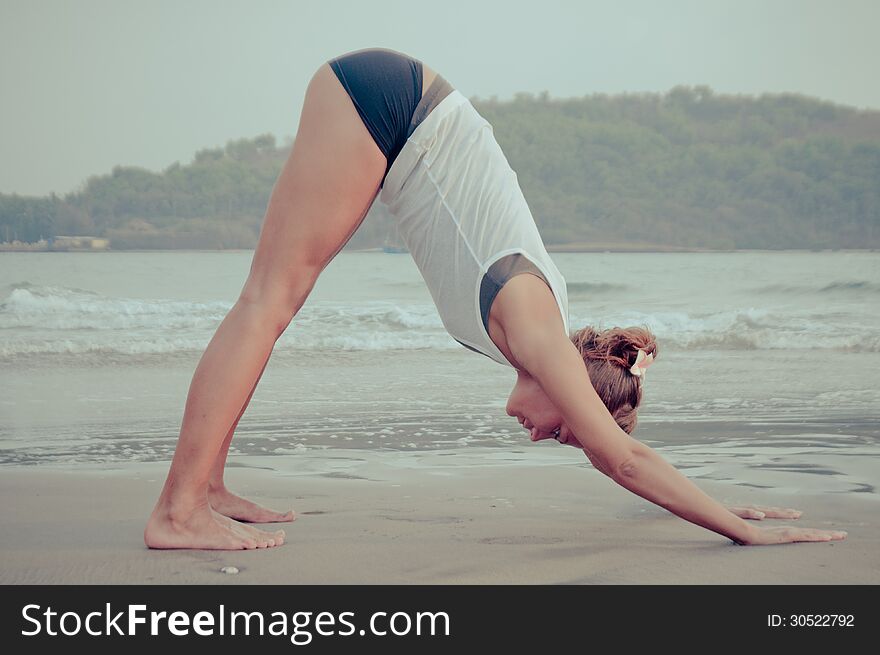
(617, 344)
(608, 356)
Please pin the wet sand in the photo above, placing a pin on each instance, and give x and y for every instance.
(444, 517)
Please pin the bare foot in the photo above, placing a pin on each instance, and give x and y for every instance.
(198, 528)
(240, 509)
(264, 538)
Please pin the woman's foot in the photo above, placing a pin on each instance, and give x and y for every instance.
(198, 527)
(264, 538)
(240, 509)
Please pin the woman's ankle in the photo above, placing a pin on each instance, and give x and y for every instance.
(181, 505)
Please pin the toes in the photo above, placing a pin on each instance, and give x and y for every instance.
(264, 539)
(270, 516)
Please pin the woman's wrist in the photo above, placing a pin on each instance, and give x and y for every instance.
(746, 535)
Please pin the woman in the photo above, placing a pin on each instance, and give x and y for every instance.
(377, 121)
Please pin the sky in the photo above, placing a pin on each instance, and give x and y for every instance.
(91, 84)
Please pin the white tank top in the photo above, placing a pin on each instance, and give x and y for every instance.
(458, 207)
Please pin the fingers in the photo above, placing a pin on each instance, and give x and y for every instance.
(747, 512)
(780, 512)
(786, 535)
(758, 512)
(808, 534)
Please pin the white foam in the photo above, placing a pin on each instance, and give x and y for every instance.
(51, 320)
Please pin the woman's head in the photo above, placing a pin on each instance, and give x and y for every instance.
(608, 355)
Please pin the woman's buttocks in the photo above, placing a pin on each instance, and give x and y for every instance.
(392, 92)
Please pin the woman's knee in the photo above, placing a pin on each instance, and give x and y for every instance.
(278, 301)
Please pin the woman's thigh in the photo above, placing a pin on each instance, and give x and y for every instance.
(322, 194)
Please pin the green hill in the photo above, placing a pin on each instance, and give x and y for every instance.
(688, 168)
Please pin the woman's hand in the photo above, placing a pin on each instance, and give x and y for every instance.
(783, 534)
(787, 535)
(759, 512)
(758, 536)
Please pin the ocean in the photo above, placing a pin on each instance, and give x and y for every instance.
(767, 372)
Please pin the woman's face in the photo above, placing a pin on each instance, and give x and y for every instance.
(533, 409)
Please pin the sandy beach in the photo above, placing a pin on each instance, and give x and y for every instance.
(392, 442)
(439, 517)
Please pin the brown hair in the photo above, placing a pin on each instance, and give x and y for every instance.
(608, 355)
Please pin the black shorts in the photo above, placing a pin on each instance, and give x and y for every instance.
(386, 89)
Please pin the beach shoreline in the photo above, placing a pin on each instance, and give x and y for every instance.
(433, 517)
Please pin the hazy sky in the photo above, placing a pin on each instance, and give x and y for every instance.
(88, 84)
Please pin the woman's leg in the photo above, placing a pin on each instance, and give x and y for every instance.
(225, 502)
(221, 498)
(323, 193)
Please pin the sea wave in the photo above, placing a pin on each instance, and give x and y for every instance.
(835, 287)
(754, 328)
(38, 320)
(63, 308)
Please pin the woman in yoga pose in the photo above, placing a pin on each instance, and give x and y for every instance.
(376, 122)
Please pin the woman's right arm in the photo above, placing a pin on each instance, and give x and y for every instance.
(652, 477)
(554, 361)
